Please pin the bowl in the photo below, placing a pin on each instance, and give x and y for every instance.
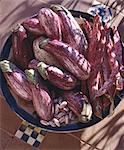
(24, 115)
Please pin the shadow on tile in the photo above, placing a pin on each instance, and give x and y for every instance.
(74, 4)
(16, 144)
(120, 145)
(117, 5)
(4, 139)
(60, 142)
(27, 9)
(106, 135)
(9, 121)
(121, 28)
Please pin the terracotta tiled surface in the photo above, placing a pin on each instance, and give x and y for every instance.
(61, 142)
(4, 139)
(9, 120)
(64, 142)
(106, 135)
(16, 144)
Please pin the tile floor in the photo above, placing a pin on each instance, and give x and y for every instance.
(106, 135)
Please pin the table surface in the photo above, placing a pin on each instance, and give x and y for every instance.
(106, 135)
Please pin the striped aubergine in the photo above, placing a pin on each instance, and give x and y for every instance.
(79, 105)
(42, 101)
(42, 55)
(16, 79)
(69, 58)
(59, 78)
(33, 65)
(50, 23)
(21, 46)
(71, 31)
(56, 76)
(32, 25)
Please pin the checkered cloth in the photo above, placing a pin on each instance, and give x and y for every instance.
(30, 134)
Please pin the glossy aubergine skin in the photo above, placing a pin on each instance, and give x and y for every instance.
(75, 101)
(41, 54)
(21, 47)
(79, 105)
(42, 101)
(33, 25)
(69, 58)
(57, 77)
(50, 23)
(17, 80)
(71, 31)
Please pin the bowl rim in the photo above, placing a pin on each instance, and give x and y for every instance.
(28, 117)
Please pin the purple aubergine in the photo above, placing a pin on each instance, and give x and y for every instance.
(16, 79)
(50, 23)
(71, 31)
(59, 78)
(41, 54)
(42, 101)
(78, 103)
(68, 57)
(22, 48)
(32, 25)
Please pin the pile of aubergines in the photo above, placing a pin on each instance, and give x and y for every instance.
(69, 70)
